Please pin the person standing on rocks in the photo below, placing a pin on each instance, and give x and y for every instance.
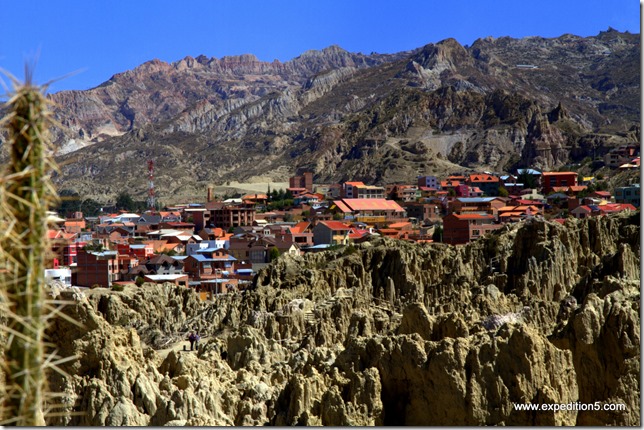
(192, 338)
(197, 339)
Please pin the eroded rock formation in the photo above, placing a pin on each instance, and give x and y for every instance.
(379, 333)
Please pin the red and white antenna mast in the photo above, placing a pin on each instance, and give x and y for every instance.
(151, 198)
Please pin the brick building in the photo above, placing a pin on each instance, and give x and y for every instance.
(305, 181)
(461, 229)
(96, 268)
(226, 215)
(550, 180)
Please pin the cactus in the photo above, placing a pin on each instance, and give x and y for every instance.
(25, 196)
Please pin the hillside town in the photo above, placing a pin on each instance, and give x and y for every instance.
(217, 246)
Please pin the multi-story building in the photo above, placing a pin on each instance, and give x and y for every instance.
(330, 191)
(369, 192)
(621, 155)
(227, 215)
(549, 180)
(142, 251)
(406, 193)
(370, 211)
(461, 229)
(209, 264)
(428, 181)
(96, 268)
(358, 190)
(483, 205)
(331, 233)
(630, 194)
(423, 211)
(305, 181)
(489, 184)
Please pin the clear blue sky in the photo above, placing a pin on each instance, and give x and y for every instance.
(101, 38)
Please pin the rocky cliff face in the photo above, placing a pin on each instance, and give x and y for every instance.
(381, 333)
(497, 104)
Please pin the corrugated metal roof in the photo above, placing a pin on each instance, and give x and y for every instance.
(473, 216)
(342, 206)
(528, 171)
(559, 173)
(475, 199)
(335, 225)
(373, 204)
(166, 277)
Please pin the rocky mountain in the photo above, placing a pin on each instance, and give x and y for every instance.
(497, 104)
(385, 332)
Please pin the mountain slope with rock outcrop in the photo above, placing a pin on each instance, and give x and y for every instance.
(384, 332)
(382, 118)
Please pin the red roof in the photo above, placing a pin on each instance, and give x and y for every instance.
(616, 207)
(357, 234)
(602, 193)
(400, 225)
(483, 178)
(355, 184)
(300, 227)
(342, 206)
(54, 234)
(529, 202)
(373, 204)
(335, 225)
(584, 207)
(445, 184)
(180, 224)
(473, 216)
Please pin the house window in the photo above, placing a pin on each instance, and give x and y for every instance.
(476, 232)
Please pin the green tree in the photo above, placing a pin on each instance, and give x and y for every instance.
(528, 180)
(124, 202)
(438, 233)
(503, 192)
(273, 254)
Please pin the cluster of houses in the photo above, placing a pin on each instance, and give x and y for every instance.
(216, 247)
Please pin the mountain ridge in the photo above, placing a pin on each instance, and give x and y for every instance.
(345, 115)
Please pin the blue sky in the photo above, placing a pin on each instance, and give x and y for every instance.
(101, 38)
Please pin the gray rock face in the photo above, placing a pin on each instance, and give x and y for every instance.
(392, 334)
(343, 115)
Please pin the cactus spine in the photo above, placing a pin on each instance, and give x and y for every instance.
(25, 197)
